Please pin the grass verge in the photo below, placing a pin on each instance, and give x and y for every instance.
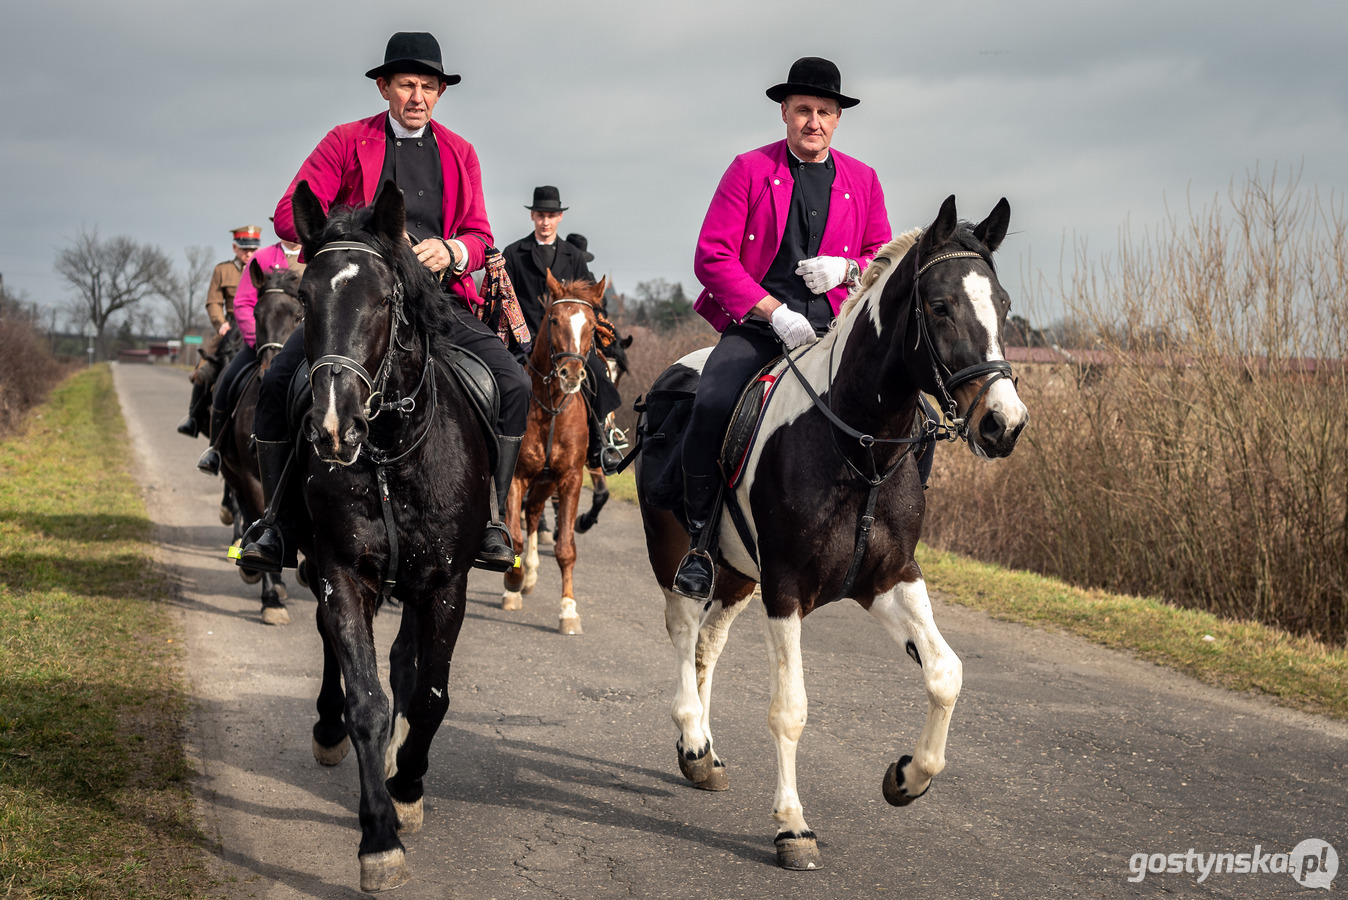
(1244, 656)
(94, 799)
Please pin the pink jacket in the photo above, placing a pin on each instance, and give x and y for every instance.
(345, 167)
(747, 217)
(268, 258)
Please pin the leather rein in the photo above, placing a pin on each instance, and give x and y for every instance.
(925, 428)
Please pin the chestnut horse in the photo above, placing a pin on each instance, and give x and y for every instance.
(832, 502)
(278, 313)
(552, 456)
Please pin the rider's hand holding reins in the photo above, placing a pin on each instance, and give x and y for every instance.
(822, 273)
(438, 255)
(794, 329)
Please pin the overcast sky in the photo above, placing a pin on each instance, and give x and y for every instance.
(172, 122)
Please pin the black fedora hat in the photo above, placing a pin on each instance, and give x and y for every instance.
(814, 76)
(413, 51)
(580, 243)
(547, 199)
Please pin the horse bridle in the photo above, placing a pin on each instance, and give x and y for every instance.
(997, 368)
(560, 357)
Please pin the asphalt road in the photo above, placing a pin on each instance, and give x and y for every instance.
(554, 774)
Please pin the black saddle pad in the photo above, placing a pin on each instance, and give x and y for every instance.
(662, 423)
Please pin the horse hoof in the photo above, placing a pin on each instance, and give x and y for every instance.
(706, 773)
(275, 615)
(800, 854)
(530, 580)
(569, 625)
(893, 789)
(410, 816)
(331, 756)
(226, 516)
(383, 871)
(512, 600)
(250, 576)
(281, 592)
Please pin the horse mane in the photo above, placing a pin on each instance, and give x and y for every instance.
(424, 303)
(581, 289)
(284, 280)
(889, 255)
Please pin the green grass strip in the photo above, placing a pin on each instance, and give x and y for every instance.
(94, 800)
(1243, 656)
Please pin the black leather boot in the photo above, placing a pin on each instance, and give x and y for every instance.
(210, 460)
(497, 553)
(188, 426)
(696, 575)
(268, 544)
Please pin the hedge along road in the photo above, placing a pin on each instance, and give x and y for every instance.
(554, 774)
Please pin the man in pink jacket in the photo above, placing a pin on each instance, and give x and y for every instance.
(446, 223)
(788, 231)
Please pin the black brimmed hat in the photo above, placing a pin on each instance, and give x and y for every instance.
(547, 199)
(412, 51)
(815, 77)
(580, 243)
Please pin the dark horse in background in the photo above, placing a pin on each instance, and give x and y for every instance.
(552, 455)
(277, 314)
(827, 469)
(395, 470)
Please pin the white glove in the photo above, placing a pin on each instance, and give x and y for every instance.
(822, 273)
(794, 329)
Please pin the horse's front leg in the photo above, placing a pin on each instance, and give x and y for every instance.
(788, 707)
(330, 742)
(512, 596)
(435, 635)
(402, 667)
(347, 614)
(564, 551)
(905, 612)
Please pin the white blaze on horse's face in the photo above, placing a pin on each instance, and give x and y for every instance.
(1002, 402)
(349, 271)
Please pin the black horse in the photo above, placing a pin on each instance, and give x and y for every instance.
(831, 500)
(396, 472)
(277, 314)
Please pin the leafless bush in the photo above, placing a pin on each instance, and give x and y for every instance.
(1206, 461)
(27, 370)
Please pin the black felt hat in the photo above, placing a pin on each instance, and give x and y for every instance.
(580, 243)
(814, 76)
(413, 51)
(547, 199)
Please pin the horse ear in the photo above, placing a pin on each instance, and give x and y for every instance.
(308, 214)
(992, 229)
(390, 216)
(600, 288)
(938, 234)
(255, 274)
(626, 342)
(554, 286)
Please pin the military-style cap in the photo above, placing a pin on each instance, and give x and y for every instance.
(247, 236)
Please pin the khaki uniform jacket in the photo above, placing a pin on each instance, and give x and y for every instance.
(220, 295)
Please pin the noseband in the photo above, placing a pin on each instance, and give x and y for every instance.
(997, 368)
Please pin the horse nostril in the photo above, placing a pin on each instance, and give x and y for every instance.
(992, 426)
(358, 431)
(309, 428)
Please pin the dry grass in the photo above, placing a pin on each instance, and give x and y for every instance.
(1205, 461)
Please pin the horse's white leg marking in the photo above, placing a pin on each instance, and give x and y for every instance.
(905, 612)
(683, 619)
(400, 729)
(349, 271)
(787, 711)
(530, 562)
(711, 638)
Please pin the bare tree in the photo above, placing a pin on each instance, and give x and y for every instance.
(112, 276)
(187, 300)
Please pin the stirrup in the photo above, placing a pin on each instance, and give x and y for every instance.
(711, 565)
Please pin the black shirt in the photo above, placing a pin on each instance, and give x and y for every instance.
(805, 220)
(414, 165)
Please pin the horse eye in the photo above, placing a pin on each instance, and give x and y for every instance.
(940, 308)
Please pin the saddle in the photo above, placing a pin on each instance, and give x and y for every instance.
(472, 374)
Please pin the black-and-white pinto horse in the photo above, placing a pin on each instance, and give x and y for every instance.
(927, 316)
